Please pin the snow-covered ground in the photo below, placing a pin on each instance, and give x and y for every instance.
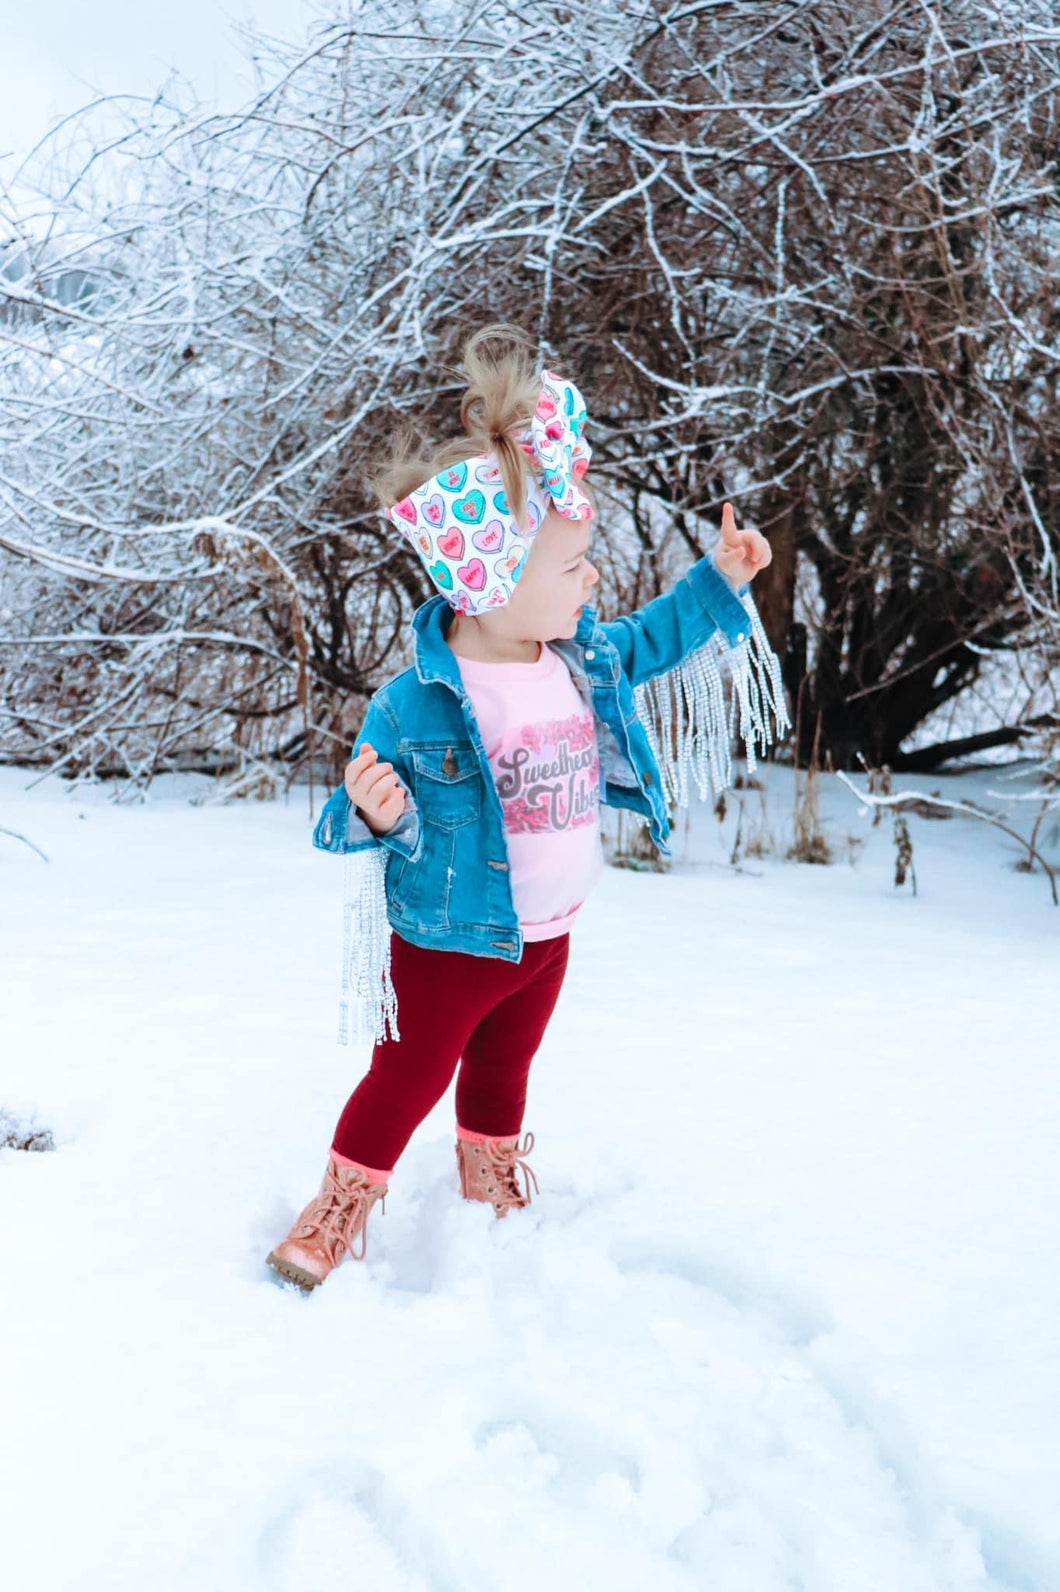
(783, 1315)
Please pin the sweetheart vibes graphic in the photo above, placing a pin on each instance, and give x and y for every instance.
(547, 776)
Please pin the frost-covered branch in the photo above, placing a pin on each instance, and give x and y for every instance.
(916, 801)
(804, 261)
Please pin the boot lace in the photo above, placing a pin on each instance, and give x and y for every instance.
(505, 1160)
(340, 1214)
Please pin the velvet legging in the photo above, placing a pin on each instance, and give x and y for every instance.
(482, 1011)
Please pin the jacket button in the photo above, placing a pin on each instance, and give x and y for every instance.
(647, 776)
(590, 652)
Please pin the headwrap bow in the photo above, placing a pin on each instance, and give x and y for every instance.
(460, 522)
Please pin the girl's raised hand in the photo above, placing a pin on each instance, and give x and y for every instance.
(375, 790)
(740, 554)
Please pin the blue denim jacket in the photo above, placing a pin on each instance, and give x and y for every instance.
(446, 873)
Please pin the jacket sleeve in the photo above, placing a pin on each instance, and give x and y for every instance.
(659, 636)
(341, 829)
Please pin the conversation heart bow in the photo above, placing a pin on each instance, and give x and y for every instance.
(554, 440)
(460, 522)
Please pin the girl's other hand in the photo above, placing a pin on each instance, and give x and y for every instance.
(740, 554)
(375, 790)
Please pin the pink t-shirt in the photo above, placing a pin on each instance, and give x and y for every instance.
(539, 737)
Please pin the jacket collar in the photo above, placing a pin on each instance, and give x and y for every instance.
(435, 659)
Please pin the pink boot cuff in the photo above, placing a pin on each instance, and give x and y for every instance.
(482, 1138)
(373, 1172)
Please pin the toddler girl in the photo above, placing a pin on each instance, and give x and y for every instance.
(469, 814)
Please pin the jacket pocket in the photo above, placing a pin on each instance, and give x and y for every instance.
(448, 782)
(420, 891)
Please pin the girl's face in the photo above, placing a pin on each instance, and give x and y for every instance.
(557, 578)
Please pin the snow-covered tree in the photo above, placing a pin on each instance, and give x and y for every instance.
(800, 257)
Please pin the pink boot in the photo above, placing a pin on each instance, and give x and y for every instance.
(329, 1226)
(488, 1171)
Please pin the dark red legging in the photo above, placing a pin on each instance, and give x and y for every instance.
(452, 1005)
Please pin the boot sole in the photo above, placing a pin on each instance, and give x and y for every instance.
(286, 1268)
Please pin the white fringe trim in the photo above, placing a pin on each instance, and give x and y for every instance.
(366, 950)
(687, 706)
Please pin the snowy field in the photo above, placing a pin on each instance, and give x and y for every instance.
(783, 1317)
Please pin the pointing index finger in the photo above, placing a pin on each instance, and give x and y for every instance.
(728, 525)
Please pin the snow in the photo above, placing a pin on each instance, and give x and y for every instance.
(783, 1315)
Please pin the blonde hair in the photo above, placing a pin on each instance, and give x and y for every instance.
(503, 388)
